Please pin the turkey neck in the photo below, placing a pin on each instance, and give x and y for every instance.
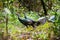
(25, 16)
(19, 17)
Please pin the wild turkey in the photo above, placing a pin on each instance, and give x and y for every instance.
(26, 21)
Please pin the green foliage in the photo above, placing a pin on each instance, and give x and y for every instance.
(18, 31)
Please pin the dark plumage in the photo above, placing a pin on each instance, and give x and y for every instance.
(26, 21)
(29, 18)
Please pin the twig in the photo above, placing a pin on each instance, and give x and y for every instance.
(7, 27)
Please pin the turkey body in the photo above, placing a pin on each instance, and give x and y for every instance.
(27, 22)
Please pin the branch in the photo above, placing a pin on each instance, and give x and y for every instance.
(44, 8)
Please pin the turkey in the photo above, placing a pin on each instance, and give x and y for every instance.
(26, 21)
